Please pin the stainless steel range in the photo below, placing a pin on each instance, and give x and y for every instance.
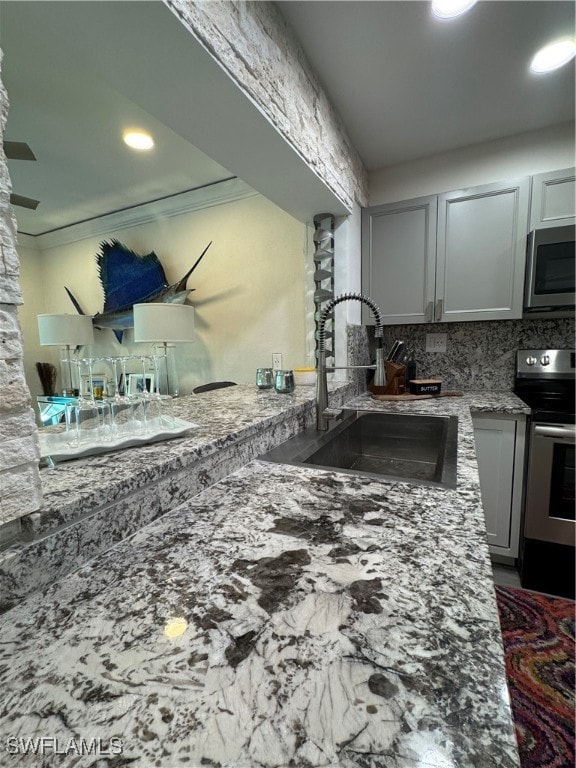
(545, 382)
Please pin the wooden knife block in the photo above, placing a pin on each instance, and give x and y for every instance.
(395, 380)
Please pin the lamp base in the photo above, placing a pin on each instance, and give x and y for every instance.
(168, 375)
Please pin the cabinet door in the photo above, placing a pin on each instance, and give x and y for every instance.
(553, 201)
(482, 252)
(495, 445)
(399, 258)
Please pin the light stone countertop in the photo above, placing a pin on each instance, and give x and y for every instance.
(222, 418)
(92, 503)
(328, 620)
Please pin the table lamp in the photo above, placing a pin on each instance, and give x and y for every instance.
(164, 324)
(65, 330)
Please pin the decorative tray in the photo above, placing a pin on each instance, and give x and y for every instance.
(53, 445)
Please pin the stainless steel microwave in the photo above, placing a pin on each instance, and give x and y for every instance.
(550, 271)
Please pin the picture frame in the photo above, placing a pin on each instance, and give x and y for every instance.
(98, 380)
(135, 384)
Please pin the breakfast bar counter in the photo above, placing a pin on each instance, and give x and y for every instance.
(92, 503)
(284, 616)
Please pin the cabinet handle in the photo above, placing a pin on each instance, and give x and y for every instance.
(429, 314)
(439, 304)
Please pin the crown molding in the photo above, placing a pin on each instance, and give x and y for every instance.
(26, 241)
(219, 193)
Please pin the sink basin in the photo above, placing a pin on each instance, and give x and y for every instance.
(413, 448)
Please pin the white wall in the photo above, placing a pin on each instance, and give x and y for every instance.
(521, 155)
(249, 297)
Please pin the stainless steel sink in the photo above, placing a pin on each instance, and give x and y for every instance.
(414, 448)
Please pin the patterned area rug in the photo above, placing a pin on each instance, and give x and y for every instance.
(538, 635)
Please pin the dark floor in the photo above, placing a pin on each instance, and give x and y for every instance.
(505, 575)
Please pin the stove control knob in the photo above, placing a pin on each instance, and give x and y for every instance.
(531, 360)
(545, 359)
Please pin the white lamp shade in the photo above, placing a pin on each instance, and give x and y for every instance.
(163, 322)
(71, 330)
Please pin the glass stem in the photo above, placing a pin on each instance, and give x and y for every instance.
(156, 372)
(90, 378)
(114, 362)
(69, 366)
(167, 370)
(144, 385)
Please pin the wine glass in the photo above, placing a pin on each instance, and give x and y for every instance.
(152, 402)
(164, 402)
(70, 408)
(103, 408)
(136, 403)
(121, 410)
(82, 415)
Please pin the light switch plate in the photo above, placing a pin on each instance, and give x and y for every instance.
(277, 361)
(436, 342)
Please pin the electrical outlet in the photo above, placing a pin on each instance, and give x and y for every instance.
(276, 361)
(436, 342)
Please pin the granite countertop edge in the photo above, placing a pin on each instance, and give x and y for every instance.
(87, 483)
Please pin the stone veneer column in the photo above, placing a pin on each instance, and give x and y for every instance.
(255, 45)
(20, 491)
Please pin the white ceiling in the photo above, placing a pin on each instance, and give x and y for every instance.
(404, 85)
(409, 85)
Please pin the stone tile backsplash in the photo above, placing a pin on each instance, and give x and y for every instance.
(478, 355)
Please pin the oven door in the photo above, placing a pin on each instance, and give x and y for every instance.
(550, 488)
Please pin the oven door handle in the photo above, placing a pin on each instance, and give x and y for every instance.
(566, 433)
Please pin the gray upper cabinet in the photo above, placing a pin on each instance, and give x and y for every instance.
(399, 258)
(451, 257)
(481, 254)
(553, 201)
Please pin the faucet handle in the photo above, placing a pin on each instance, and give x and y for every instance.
(333, 414)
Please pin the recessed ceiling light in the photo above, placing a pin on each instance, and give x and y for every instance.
(553, 56)
(448, 9)
(138, 140)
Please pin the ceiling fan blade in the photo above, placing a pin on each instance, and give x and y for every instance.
(24, 202)
(18, 150)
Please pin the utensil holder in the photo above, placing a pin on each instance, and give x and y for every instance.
(395, 380)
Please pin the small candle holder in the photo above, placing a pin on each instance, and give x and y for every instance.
(284, 382)
(264, 378)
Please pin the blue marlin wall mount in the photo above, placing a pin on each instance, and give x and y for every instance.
(127, 278)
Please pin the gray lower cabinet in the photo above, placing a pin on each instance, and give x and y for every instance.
(553, 200)
(451, 257)
(500, 443)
